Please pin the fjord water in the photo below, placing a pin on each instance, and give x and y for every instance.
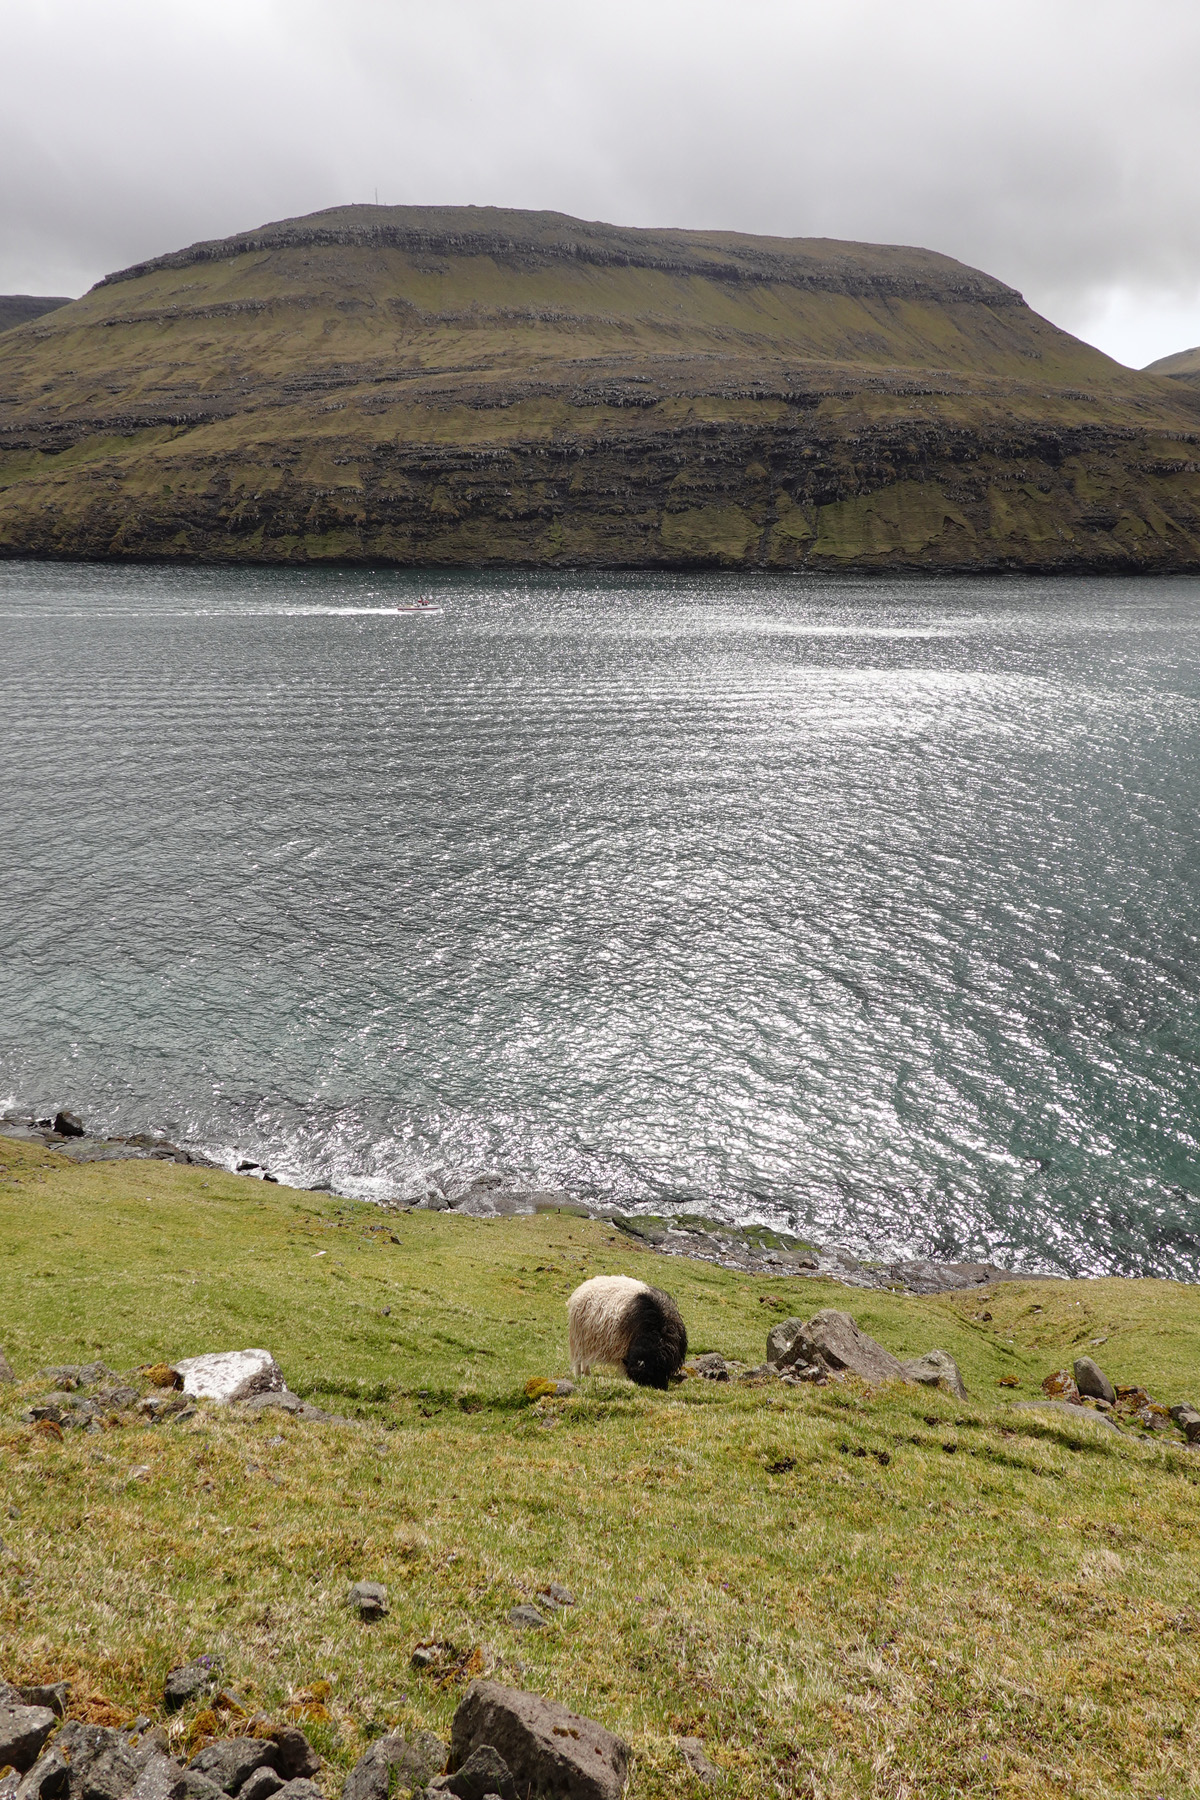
(862, 907)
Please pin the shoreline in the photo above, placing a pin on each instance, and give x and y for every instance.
(750, 1249)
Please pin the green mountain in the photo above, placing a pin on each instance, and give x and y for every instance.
(18, 309)
(473, 385)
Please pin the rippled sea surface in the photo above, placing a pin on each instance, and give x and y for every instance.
(866, 908)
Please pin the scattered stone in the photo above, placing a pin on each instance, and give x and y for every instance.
(1074, 1412)
(484, 1773)
(428, 1656)
(370, 1598)
(228, 1762)
(549, 1749)
(1091, 1379)
(1188, 1420)
(692, 1751)
(68, 1124)
(260, 1785)
(555, 1596)
(395, 1763)
(296, 1755)
(1060, 1386)
(55, 1695)
(760, 1372)
(937, 1368)
(299, 1789)
(230, 1375)
(564, 1389)
(711, 1367)
(528, 1618)
(23, 1731)
(6, 1372)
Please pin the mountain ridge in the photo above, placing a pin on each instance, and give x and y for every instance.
(476, 385)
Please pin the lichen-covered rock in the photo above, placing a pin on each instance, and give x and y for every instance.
(937, 1368)
(227, 1376)
(548, 1748)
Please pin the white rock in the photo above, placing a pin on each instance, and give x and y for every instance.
(230, 1375)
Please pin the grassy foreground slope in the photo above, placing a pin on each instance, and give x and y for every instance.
(842, 1592)
(474, 385)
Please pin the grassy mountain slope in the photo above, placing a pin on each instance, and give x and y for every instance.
(18, 309)
(473, 385)
(843, 1592)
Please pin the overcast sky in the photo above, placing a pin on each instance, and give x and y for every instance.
(1055, 143)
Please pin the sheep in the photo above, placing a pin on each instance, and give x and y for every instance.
(615, 1319)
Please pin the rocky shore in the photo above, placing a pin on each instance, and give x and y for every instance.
(754, 1249)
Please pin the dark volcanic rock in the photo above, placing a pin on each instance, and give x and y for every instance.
(54, 1694)
(23, 1731)
(189, 1681)
(548, 1748)
(49, 1778)
(161, 1778)
(393, 1764)
(261, 1784)
(69, 1124)
(296, 1755)
(104, 1765)
(484, 1772)
(231, 1760)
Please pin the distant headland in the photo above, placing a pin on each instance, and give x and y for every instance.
(478, 386)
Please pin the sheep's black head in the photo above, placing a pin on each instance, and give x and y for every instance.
(658, 1343)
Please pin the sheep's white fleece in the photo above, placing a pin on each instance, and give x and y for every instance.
(598, 1320)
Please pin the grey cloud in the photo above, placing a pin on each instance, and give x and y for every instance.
(1049, 142)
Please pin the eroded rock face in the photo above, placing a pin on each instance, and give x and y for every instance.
(937, 1368)
(548, 1748)
(230, 1375)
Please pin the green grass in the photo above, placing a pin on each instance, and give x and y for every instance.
(843, 1592)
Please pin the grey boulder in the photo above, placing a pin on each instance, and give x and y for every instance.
(228, 1762)
(230, 1375)
(1090, 1379)
(781, 1341)
(548, 1748)
(199, 1787)
(161, 1778)
(53, 1694)
(23, 1731)
(1188, 1421)
(299, 1789)
(395, 1762)
(48, 1779)
(937, 1368)
(832, 1338)
(261, 1784)
(484, 1773)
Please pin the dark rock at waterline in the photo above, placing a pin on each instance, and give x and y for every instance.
(1090, 1379)
(23, 1731)
(69, 1124)
(548, 1748)
(395, 1763)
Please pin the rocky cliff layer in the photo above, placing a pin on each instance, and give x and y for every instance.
(466, 385)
